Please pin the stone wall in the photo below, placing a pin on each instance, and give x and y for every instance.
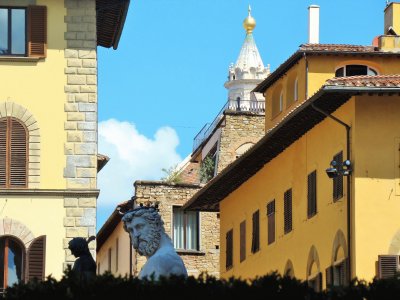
(240, 128)
(81, 94)
(80, 108)
(169, 195)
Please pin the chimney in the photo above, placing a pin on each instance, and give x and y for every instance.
(392, 20)
(313, 24)
(390, 40)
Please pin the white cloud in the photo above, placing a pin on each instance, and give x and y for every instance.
(133, 156)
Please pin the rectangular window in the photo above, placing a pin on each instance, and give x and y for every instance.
(12, 31)
(287, 211)
(109, 259)
(185, 229)
(23, 31)
(242, 241)
(271, 221)
(338, 180)
(312, 194)
(255, 241)
(229, 250)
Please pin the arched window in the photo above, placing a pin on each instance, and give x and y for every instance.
(355, 70)
(11, 262)
(13, 153)
(242, 149)
(281, 102)
(296, 90)
(277, 101)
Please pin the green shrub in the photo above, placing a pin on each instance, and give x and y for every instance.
(271, 287)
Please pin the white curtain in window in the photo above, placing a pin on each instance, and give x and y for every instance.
(191, 230)
(178, 229)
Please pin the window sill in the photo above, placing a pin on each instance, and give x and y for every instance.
(190, 252)
(20, 58)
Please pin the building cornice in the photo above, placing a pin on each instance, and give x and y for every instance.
(49, 192)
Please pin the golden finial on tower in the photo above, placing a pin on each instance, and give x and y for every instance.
(249, 23)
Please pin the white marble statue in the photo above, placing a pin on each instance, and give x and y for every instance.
(148, 237)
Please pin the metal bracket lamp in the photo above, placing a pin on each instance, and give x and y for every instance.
(337, 169)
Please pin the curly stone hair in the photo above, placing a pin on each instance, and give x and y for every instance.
(150, 214)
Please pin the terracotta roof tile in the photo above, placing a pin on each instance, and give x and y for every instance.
(337, 47)
(365, 81)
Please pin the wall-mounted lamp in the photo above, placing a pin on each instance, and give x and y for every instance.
(336, 169)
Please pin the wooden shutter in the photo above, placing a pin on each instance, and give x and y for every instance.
(312, 194)
(329, 277)
(37, 31)
(3, 152)
(255, 241)
(388, 266)
(338, 180)
(344, 275)
(271, 221)
(242, 241)
(36, 258)
(229, 249)
(287, 211)
(318, 285)
(18, 154)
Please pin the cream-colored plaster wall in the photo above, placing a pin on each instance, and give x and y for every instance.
(123, 253)
(377, 193)
(313, 151)
(297, 71)
(320, 69)
(38, 86)
(36, 213)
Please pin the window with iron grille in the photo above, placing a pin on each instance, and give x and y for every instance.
(242, 241)
(23, 31)
(287, 211)
(312, 194)
(255, 241)
(13, 153)
(229, 250)
(271, 221)
(338, 180)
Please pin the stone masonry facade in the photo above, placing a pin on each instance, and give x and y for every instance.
(80, 107)
(168, 195)
(240, 128)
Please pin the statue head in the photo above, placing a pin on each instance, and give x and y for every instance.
(79, 246)
(145, 227)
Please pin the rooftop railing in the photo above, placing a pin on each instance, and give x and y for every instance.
(257, 107)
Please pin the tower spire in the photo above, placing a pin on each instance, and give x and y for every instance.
(249, 68)
(249, 23)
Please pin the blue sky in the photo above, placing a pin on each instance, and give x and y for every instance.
(165, 80)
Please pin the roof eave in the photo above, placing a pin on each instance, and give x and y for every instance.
(121, 24)
(283, 68)
(199, 201)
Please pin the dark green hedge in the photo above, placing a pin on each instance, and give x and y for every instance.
(272, 286)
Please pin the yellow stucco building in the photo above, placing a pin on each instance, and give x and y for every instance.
(48, 129)
(318, 196)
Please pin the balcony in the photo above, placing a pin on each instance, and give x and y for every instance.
(253, 106)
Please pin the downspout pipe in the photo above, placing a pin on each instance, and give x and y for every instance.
(349, 243)
(306, 79)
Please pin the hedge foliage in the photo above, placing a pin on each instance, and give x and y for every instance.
(272, 286)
